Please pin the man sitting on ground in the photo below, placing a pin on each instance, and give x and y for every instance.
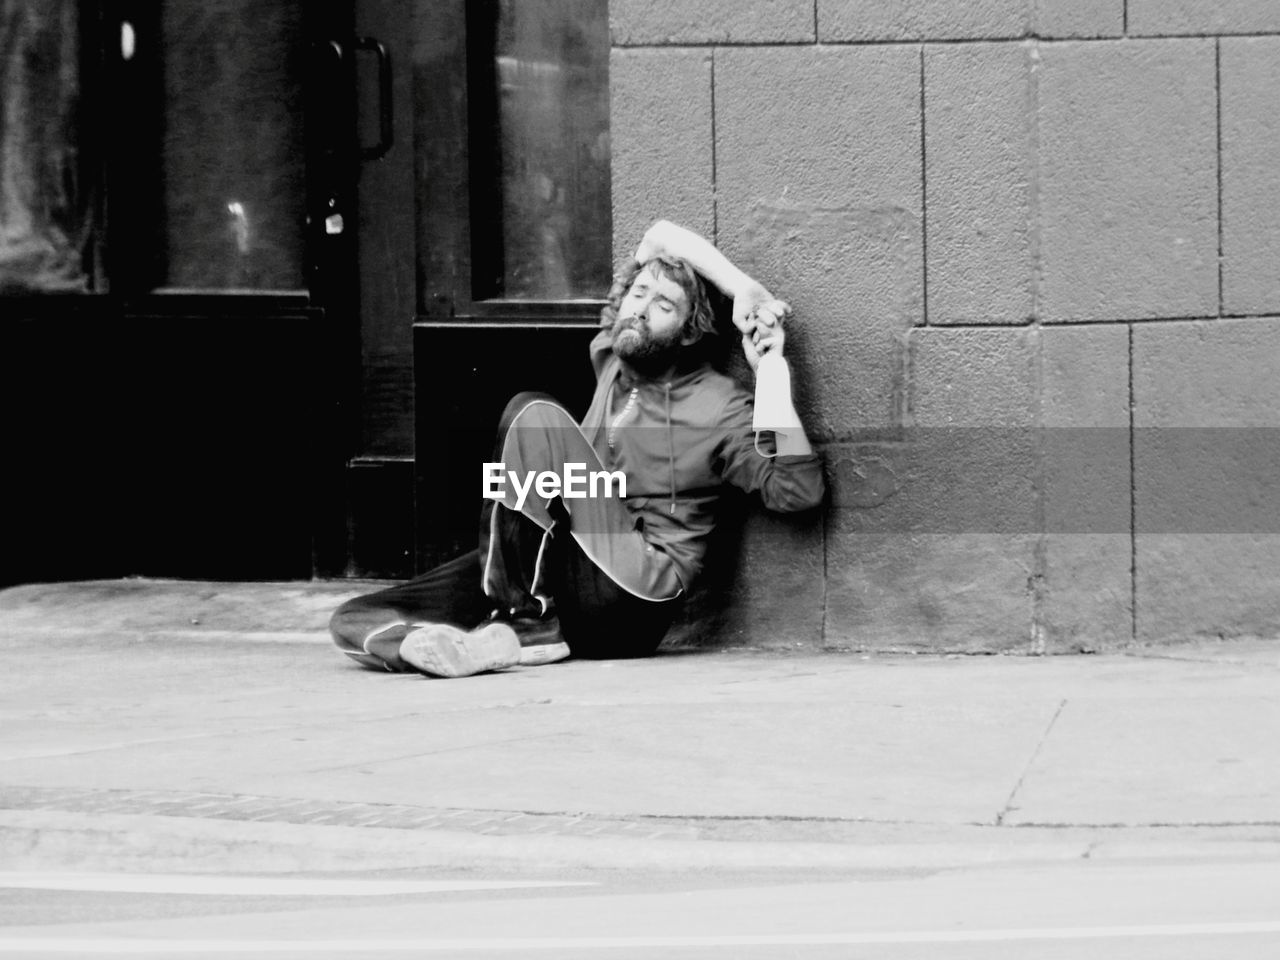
(607, 572)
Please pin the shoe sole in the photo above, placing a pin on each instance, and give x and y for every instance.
(442, 650)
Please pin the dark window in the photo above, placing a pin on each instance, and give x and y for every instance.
(549, 143)
(169, 136)
(46, 217)
(513, 190)
(232, 156)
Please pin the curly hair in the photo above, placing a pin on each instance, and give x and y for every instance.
(701, 320)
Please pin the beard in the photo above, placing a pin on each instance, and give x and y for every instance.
(636, 345)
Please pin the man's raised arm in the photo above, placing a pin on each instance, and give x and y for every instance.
(666, 239)
(757, 314)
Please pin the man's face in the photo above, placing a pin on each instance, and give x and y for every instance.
(651, 318)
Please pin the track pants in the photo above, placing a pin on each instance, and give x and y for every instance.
(579, 558)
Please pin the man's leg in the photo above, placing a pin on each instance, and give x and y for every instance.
(619, 593)
(600, 619)
(616, 593)
(369, 629)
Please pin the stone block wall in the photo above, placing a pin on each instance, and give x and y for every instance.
(1034, 252)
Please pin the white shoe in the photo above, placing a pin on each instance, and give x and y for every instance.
(537, 654)
(443, 650)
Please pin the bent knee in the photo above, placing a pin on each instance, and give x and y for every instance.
(532, 407)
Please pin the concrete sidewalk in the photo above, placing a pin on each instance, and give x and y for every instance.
(193, 726)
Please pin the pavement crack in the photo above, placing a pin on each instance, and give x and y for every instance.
(1035, 754)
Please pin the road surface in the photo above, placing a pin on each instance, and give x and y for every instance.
(1095, 909)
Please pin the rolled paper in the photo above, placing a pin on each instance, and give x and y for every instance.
(774, 412)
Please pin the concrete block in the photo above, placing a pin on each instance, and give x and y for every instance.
(845, 20)
(932, 540)
(973, 378)
(968, 460)
(927, 592)
(1085, 599)
(1207, 428)
(1221, 373)
(1250, 187)
(818, 187)
(1085, 377)
(661, 141)
(860, 20)
(1207, 479)
(1085, 587)
(1196, 586)
(776, 598)
(1018, 440)
(979, 156)
(940, 481)
(1128, 184)
(1077, 18)
(1165, 17)
(763, 586)
(634, 22)
(1085, 471)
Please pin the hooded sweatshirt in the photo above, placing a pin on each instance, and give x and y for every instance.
(680, 440)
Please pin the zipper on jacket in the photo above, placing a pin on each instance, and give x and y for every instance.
(630, 405)
(671, 453)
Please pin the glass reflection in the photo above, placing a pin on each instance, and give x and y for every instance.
(551, 63)
(232, 152)
(45, 222)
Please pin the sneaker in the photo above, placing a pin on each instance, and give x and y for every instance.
(443, 650)
(537, 654)
(535, 631)
(540, 639)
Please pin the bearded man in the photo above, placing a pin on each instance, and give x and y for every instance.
(603, 575)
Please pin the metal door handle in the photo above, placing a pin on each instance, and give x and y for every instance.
(386, 132)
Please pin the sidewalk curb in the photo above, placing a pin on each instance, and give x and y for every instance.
(44, 840)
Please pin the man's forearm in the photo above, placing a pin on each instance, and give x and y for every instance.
(665, 238)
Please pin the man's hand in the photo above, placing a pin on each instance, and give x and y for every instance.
(748, 297)
(763, 331)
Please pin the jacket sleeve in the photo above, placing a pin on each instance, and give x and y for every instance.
(785, 483)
